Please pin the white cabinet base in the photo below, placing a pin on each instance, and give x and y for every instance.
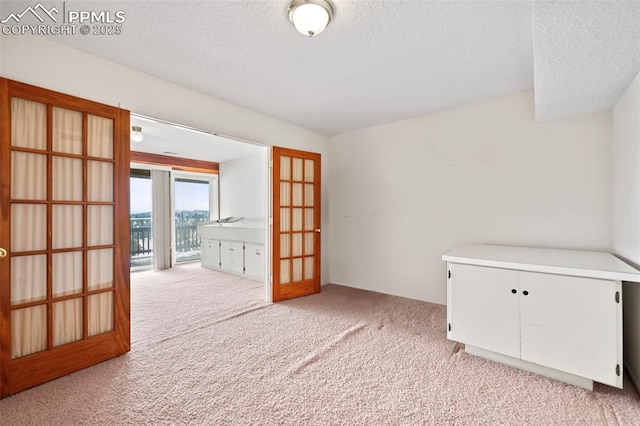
(566, 306)
(531, 367)
(232, 257)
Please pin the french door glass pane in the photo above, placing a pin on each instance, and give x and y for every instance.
(285, 245)
(67, 226)
(28, 279)
(308, 268)
(28, 176)
(28, 124)
(100, 313)
(297, 194)
(100, 265)
(308, 219)
(308, 170)
(308, 195)
(67, 179)
(28, 227)
(285, 271)
(99, 225)
(67, 321)
(285, 219)
(100, 181)
(285, 193)
(100, 137)
(67, 273)
(67, 131)
(297, 220)
(309, 243)
(297, 244)
(28, 331)
(191, 207)
(297, 169)
(285, 168)
(297, 269)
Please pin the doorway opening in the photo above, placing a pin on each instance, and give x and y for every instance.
(189, 199)
(183, 179)
(192, 205)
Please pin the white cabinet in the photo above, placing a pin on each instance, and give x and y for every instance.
(210, 253)
(231, 256)
(572, 324)
(553, 312)
(234, 256)
(483, 310)
(254, 260)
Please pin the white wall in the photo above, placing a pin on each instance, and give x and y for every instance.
(242, 187)
(409, 191)
(51, 65)
(626, 213)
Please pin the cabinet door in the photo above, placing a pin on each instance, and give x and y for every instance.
(225, 255)
(254, 260)
(231, 256)
(210, 253)
(237, 257)
(572, 324)
(483, 308)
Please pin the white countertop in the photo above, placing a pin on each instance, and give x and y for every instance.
(244, 223)
(553, 261)
(245, 230)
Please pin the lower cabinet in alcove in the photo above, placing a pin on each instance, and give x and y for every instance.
(237, 257)
(557, 313)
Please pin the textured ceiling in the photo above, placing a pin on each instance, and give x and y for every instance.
(585, 55)
(167, 139)
(379, 60)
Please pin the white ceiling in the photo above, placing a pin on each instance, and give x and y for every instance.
(178, 141)
(381, 60)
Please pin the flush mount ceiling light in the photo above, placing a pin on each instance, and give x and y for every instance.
(136, 134)
(310, 17)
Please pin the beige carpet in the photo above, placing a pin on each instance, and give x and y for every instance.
(207, 350)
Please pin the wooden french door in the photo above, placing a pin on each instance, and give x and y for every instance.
(64, 262)
(296, 223)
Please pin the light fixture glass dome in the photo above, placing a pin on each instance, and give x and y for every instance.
(136, 134)
(310, 17)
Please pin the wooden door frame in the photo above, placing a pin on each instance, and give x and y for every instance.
(20, 373)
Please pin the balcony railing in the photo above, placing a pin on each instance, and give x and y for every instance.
(187, 238)
(141, 241)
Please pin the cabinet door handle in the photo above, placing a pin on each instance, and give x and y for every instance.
(526, 293)
(514, 291)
